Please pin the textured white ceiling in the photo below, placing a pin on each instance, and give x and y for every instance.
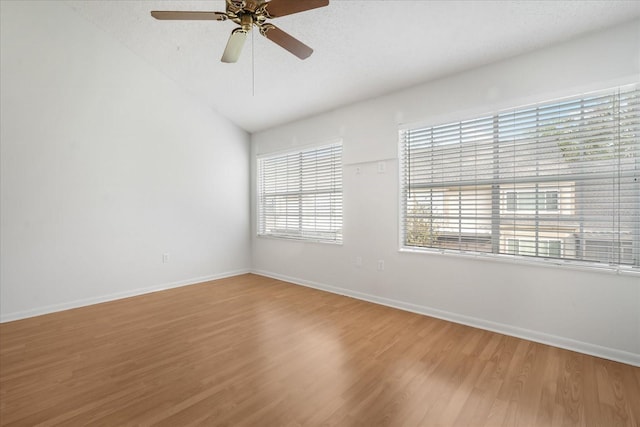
(362, 48)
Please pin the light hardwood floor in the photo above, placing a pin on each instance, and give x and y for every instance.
(251, 350)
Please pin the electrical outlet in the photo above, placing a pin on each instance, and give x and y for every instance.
(382, 167)
(165, 258)
(358, 261)
(380, 265)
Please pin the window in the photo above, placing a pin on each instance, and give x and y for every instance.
(532, 201)
(300, 194)
(528, 247)
(556, 180)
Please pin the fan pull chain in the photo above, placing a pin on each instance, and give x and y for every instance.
(253, 65)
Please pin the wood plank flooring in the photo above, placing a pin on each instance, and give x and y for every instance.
(253, 351)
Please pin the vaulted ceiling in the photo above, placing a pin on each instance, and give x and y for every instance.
(362, 49)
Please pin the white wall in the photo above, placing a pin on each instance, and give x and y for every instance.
(106, 165)
(593, 312)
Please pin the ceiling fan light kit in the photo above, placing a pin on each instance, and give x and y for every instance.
(249, 13)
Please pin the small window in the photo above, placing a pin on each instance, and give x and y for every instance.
(300, 194)
(531, 201)
(526, 247)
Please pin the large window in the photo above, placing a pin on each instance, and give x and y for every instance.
(300, 194)
(557, 180)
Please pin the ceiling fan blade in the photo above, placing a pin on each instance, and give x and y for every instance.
(286, 41)
(184, 15)
(234, 46)
(276, 8)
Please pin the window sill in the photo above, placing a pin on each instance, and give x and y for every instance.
(298, 239)
(510, 259)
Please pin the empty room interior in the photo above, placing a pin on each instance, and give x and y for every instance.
(313, 212)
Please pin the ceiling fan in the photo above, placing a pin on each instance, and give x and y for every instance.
(248, 13)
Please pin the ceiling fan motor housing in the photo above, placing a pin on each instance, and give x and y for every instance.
(246, 21)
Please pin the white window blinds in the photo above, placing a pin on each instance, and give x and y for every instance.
(556, 180)
(300, 194)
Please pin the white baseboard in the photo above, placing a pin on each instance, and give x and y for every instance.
(115, 296)
(527, 334)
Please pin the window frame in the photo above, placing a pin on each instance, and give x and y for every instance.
(334, 235)
(499, 197)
